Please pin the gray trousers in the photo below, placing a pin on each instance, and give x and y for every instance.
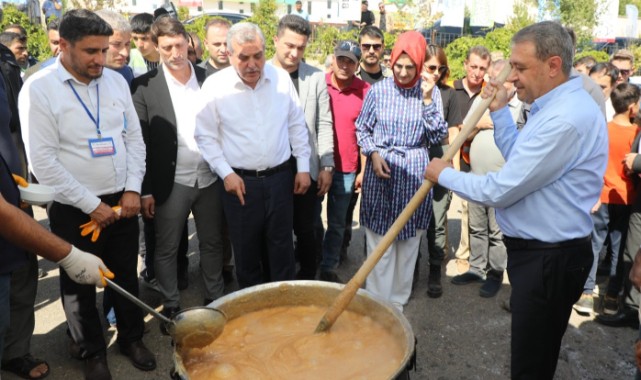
(486, 242)
(206, 205)
(24, 286)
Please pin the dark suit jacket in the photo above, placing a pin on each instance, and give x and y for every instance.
(158, 122)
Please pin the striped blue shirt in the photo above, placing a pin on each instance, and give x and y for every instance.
(554, 168)
(395, 123)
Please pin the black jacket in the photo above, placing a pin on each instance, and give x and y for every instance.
(158, 122)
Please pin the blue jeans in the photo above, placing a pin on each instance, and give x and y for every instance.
(339, 196)
(612, 220)
(5, 286)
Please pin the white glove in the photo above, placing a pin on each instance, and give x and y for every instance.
(85, 268)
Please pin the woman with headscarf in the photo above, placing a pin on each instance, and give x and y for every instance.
(397, 124)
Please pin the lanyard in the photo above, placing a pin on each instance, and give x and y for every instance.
(95, 120)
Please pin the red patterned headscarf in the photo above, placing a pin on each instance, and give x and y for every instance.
(413, 44)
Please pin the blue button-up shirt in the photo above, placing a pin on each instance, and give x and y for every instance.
(554, 168)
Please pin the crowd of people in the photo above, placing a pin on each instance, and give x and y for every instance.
(252, 145)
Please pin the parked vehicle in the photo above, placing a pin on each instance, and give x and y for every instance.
(233, 17)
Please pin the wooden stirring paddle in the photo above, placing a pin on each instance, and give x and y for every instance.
(350, 289)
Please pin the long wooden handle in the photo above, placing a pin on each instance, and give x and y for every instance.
(350, 289)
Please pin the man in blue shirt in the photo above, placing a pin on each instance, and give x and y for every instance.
(543, 194)
(51, 9)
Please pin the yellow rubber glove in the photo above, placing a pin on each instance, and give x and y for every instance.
(20, 181)
(91, 227)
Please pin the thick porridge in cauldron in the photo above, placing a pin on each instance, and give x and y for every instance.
(279, 343)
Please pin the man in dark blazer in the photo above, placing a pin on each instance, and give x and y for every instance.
(290, 41)
(177, 181)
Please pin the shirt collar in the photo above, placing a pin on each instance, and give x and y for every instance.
(65, 75)
(355, 85)
(265, 77)
(175, 82)
(570, 85)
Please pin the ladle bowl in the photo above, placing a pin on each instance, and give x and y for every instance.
(194, 327)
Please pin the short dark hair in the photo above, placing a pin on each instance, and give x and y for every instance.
(479, 50)
(606, 68)
(141, 23)
(217, 22)
(7, 38)
(167, 26)
(77, 24)
(549, 39)
(16, 26)
(589, 62)
(54, 24)
(372, 32)
(294, 23)
(623, 95)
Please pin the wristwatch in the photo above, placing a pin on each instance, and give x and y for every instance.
(328, 169)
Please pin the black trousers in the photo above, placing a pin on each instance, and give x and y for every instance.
(545, 285)
(305, 209)
(118, 248)
(261, 230)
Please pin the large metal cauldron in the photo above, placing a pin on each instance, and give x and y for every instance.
(295, 293)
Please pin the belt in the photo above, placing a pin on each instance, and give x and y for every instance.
(262, 173)
(111, 199)
(526, 244)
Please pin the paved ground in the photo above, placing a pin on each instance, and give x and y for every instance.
(460, 335)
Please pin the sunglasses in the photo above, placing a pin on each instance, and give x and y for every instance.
(367, 47)
(351, 47)
(432, 69)
(624, 72)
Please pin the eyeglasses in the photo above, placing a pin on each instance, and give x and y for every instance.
(367, 47)
(351, 47)
(432, 68)
(624, 72)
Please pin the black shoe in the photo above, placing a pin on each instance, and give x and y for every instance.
(490, 287)
(139, 355)
(434, 287)
(96, 367)
(183, 280)
(169, 313)
(74, 349)
(228, 276)
(330, 276)
(466, 278)
(626, 317)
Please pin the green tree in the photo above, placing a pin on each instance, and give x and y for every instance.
(456, 52)
(37, 43)
(265, 17)
(325, 39)
(600, 56)
(623, 3)
(580, 15)
(183, 13)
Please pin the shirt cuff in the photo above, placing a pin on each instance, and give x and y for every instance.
(89, 204)
(224, 170)
(447, 177)
(302, 165)
(502, 115)
(133, 184)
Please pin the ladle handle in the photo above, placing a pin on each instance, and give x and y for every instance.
(350, 289)
(135, 300)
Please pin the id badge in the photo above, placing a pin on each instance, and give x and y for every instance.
(102, 147)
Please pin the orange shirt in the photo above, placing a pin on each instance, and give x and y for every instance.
(617, 186)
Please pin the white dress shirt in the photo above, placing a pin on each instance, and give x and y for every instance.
(191, 168)
(58, 131)
(254, 129)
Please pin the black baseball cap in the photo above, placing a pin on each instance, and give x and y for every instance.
(349, 49)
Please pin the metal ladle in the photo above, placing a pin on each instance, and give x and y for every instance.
(195, 327)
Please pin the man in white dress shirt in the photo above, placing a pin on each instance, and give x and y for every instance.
(248, 126)
(85, 141)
